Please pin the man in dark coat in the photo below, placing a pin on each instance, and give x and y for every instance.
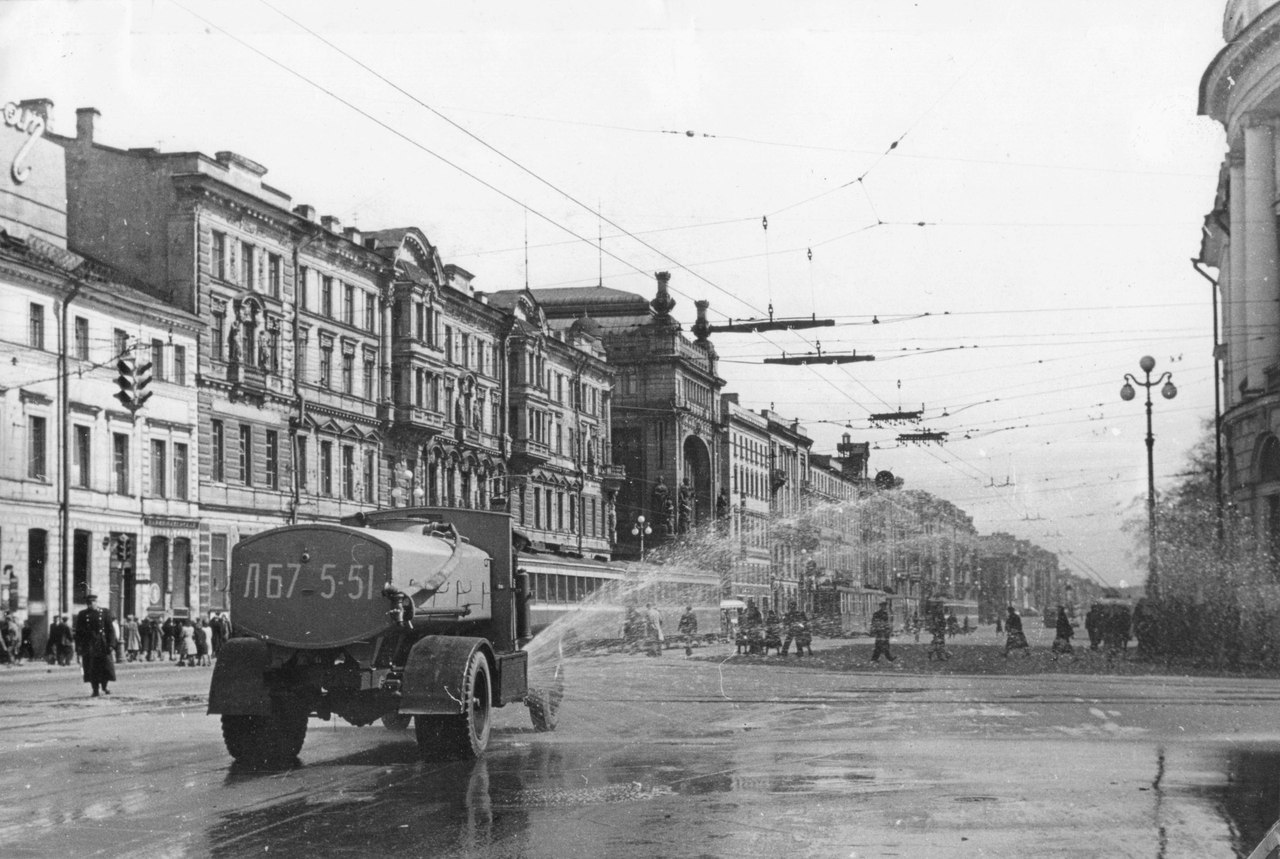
(61, 641)
(881, 629)
(96, 639)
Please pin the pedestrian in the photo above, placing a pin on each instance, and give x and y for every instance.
(1093, 626)
(188, 647)
(881, 630)
(796, 623)
(772, 632)
(221, 632)
(201, 633)
(96, 641)
(753, 627)
(61, 640)
(168, 634)
(688, 629)
(132, 638)
(1015, 638)
(9, 631)
(938, 628)
(653, 630)
(1115, 630)
(7, 656)
(1064, 629)
(26, 645)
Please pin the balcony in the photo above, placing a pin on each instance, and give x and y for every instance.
(419, 418)
(531, 450)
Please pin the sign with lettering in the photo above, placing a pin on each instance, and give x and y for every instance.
(27, 122)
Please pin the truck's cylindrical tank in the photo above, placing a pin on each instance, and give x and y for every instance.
(320, 586)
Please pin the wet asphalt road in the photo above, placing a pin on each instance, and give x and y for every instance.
(666, 757)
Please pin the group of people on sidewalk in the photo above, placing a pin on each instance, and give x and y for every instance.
(759, 633)
(97, 641)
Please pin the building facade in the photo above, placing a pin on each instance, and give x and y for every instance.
(1240, 90)
(97, 496)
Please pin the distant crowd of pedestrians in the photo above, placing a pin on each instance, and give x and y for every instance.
(96, 641)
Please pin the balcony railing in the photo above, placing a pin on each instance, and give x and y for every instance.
(419, 417)
(530, 449)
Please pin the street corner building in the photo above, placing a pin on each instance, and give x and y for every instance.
(1241, 90)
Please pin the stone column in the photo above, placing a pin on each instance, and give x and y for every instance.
(1260, 252)
(1232, 293)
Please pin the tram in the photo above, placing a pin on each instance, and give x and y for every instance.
(588, 600)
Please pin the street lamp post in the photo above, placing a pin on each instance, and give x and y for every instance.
(1168, 391)
(641, 529)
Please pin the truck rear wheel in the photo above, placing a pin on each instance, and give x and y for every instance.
(271, 742)
(466, 734)
(544, 703)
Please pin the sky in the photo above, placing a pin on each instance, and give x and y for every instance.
(997, 200)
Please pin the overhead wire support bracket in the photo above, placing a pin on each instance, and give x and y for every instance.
(819, 358)
(923, 437)
(752, 326)
(899, 416)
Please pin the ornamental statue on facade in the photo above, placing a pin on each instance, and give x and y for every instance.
(688, 502)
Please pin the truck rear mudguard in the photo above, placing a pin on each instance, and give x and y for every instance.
(435, 673)
(238, 687)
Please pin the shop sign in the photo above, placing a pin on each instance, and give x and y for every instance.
(27, 122)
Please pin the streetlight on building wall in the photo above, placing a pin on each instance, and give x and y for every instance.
(1168, 391)
(641, 529)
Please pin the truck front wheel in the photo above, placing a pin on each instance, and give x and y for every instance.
(271, 742)
(466, 734)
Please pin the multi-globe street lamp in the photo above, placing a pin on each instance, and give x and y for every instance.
(641, 529)
(1168, 391)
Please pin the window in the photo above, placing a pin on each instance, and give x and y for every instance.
(274, 268)
(180, 365)
(370, 393)
(326, 468)
(218, 571)
(246, 454)
(301, 287)
(37, 557)
(218, 451)
(448, 343)
(120, 461)
(326, 295)
(157, 360)
(37, 448)
(82, 338)
(80, 453)
(348, 472)
(348, 304)
(326, 363)
(273, 459)
(219, 332)
(35, 329)
(158, 465)
(466, 350)
(119, 343)
(348, 373)
(370, 477)
(180, 488)
(218, 255)
(537, 507)
(301, 448)
(370, 312)
(247, 279)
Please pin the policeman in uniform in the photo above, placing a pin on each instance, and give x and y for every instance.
(96, 641)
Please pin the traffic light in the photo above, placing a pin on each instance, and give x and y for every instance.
(131, 381)
(141, 378)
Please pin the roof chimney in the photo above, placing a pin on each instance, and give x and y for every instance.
(353, 234)
(84, 123)
(331, 223)
(302, 210)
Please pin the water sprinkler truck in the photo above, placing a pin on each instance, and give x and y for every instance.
(406, 615)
